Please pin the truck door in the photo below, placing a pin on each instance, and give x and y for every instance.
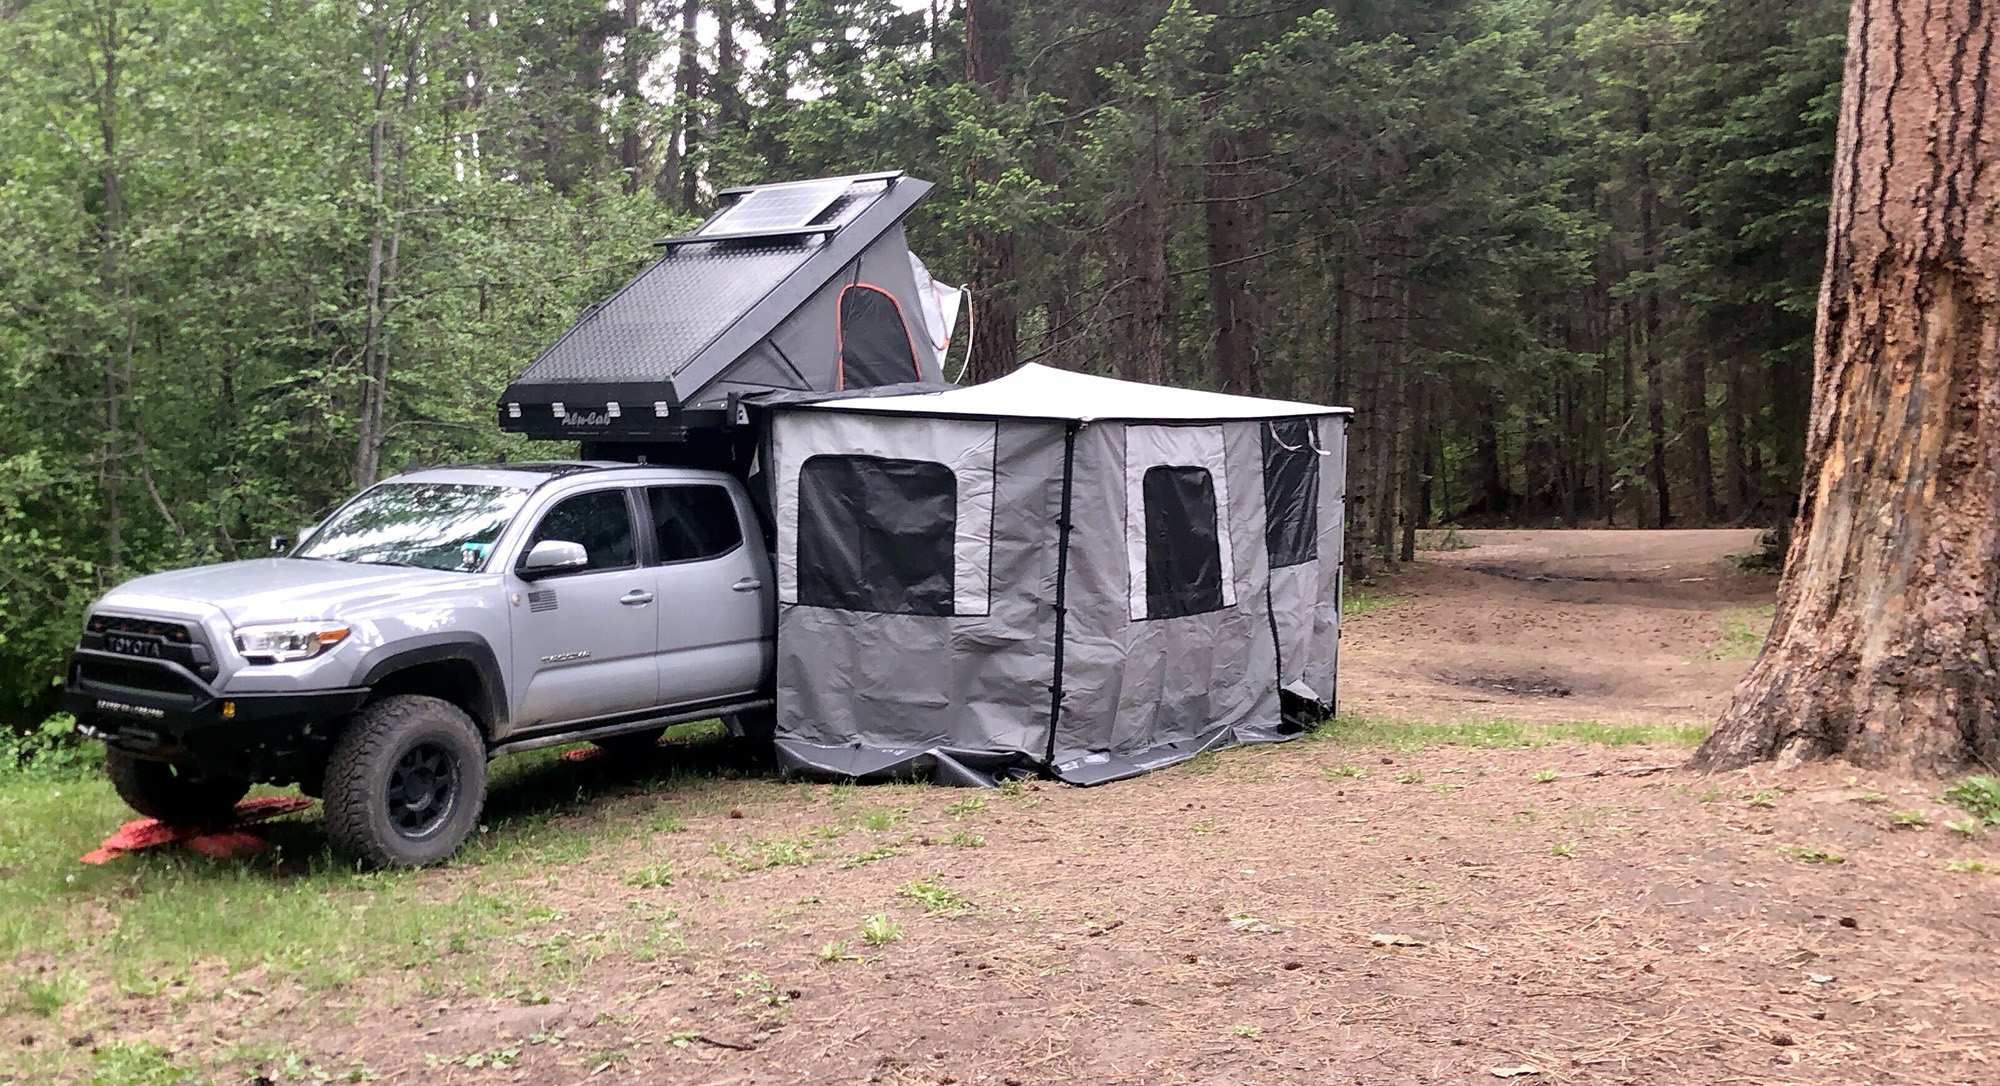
(716, 620)
(586, 638)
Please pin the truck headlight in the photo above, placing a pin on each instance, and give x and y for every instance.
(283, 643)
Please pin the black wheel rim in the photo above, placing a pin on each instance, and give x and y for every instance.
(423, 789)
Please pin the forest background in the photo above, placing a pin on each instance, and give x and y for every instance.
(1562, 256)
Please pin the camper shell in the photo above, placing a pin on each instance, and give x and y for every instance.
(805, 286)
(1051, 572)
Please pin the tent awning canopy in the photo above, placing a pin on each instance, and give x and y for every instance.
(1043, 392)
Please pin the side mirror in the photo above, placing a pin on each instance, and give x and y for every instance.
(553, 556)
(280, 544)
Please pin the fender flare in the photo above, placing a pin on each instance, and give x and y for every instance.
(437, 648)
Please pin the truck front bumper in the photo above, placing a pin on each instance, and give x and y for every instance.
(160, 709)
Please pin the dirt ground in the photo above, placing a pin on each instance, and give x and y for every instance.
(1559, 625)
(1356, 908)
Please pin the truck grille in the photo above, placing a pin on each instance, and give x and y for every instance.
(146, 639)
(170, 632)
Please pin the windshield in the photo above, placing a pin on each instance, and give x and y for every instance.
(449, 526)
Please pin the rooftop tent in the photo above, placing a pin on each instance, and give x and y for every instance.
(805, 286)
(1051, 571)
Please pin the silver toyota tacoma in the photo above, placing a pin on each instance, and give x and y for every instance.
(437, 620)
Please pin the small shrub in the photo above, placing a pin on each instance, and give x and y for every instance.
(879, 930)
(1544, 776)
(1912, 820)
(1979, 796)
(934, 896)
(833, 950)
(50, 749)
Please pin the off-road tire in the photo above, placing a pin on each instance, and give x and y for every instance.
(391, 752)
(174, 794)
(639, 744)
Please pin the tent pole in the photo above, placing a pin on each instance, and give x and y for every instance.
(1062, 583)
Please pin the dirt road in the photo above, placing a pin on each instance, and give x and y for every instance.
(1650, 627)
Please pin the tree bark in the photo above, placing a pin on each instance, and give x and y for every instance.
(992, 348)
(632, 39)
(1656, 393)
(1234, 220)
(117, 364)
(1139, 243)
(1694, 433)
(1883, 649)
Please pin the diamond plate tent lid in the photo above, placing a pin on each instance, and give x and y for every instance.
(683, 322)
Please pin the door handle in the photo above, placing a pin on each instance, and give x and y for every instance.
(747, 584)
(638, 597)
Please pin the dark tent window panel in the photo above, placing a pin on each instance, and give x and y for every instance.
(1183, 554)
(1291, 492)
(875, 344)
(877, 534)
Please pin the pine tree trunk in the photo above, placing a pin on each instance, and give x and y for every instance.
(1884, 646)
(631, 65)
(117, 367)
(1139, 241)
(1656, 392)
(993, 348)
(1694, 433)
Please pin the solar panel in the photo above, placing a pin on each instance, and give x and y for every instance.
(777, 207)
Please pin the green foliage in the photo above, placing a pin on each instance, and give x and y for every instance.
(1978, 795)
(934, 896)
(879, 930)
(295, 247)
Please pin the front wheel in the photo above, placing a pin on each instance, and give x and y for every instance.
(406, 782)
(175, 794)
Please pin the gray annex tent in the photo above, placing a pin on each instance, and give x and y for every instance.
(1051, 570)
(798, 286)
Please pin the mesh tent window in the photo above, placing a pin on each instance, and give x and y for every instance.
(875, 344)
(877, 534)
(1291, 492)
(1183, 553)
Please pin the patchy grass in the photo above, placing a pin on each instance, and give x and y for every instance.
(1412, 735)
(1743, 630)
(1448, 538)
(934, 896)
(301, 911)
(1807, 854)
(1357, 601)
